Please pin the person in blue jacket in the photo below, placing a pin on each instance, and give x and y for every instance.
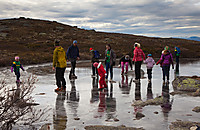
(73, 55)
(177, 54)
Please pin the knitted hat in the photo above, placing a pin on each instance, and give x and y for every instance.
(149, 55)
(137, 45)
(74, 42)
(166, 48)
(95, 64)
(16, 57)
(91, 49)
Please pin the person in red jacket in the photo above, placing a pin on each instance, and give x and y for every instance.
(102, 74)
(139, 56)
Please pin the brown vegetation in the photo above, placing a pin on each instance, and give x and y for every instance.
(33, 41)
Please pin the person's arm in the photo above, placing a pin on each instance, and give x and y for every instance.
(143, 55)
(55, 58)
(134, 53)
(67, 53)
(13, 66)
(120, 60)
(78, 52)
(21, 67)
(172, 60)
(161, 58)
(130, 63)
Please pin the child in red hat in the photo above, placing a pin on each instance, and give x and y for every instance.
(102, 73)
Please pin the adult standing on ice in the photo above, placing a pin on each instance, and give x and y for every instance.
(138, 57)
(60, 64)
(110, 59)
(165, 61)
(72, 56)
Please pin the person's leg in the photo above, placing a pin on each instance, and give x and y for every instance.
(177, 63)
(163, 70)
(74, 66)
(122, 66)
(63, 78)
(107, 69)
(136, 70)
(58, 77)
(139, 69)
(18, 76)
(149, 73)
(126, 67)
(93, 69)
(111, 72)
(167, 72)
(101, 82)
(104, 82)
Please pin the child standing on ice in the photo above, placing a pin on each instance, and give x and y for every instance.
(124, 61)
(102, 74)
(150, 63)
(16, 66)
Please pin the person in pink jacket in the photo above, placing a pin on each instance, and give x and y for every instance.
(138, 57)
(150, 63)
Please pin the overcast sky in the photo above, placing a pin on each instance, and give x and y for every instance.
(162, 18)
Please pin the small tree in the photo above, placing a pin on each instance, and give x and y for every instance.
(17, 105)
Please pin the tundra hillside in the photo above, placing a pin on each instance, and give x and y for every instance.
(33, 41)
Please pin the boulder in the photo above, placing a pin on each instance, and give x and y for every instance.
(185, 83)
(196, 109)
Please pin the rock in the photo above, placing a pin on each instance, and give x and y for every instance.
(197, 93)
(76, 118)
(3, 35)
(185, 83)
(60, 28)
(182, 125)
(115, 119)
(139, 115)
(155, 101)
(155, 112)
(188, 114)
(196, 109)
(42, 34)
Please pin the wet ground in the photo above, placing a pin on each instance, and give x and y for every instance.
(83, 105)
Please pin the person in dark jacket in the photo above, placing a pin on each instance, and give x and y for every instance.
(177, 54)
(125, 60)
(165, 61)
(110, 59)
(95, 58)
(73, 55)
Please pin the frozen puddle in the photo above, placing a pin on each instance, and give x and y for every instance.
(83, 105)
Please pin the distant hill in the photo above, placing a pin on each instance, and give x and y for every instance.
(33, 41)
(195, 38)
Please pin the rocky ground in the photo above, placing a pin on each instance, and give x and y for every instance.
(33, 41)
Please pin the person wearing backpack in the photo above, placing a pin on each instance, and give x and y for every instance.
(95, 58)
(165, 61)
(177, 54)
(60, 64)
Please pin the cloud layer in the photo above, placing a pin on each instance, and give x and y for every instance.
(165, 18)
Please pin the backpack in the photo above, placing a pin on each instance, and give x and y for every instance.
(178, 51)
(96, 54)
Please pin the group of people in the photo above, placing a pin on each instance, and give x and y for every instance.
(60, 59)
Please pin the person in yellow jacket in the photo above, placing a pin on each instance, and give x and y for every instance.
(60, 64)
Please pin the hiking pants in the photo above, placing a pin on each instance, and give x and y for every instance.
(60, 79)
